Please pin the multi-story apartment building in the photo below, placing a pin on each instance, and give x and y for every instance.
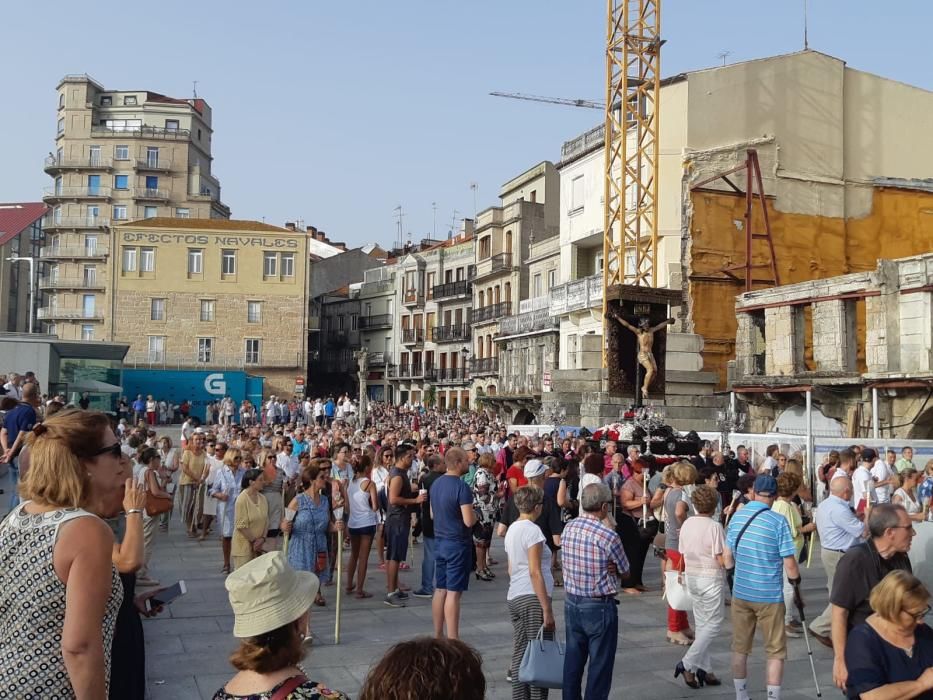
(21, 236)
(527, 343)
(379, 297)
(433, 331)
(203, 293)
(119, 156)
(335, 371)
(528, 211)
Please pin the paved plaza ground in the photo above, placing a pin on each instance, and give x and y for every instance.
(188, 645)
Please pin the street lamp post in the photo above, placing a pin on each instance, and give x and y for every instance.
(32, 284)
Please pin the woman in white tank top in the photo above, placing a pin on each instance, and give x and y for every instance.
(363, 518)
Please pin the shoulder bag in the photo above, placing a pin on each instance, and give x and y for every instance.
(730, 573)
(542, 663)
(288, 687)
(156, 505)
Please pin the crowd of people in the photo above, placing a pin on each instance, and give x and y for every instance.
(278, 495)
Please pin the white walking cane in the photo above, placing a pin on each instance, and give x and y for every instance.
(339, 585)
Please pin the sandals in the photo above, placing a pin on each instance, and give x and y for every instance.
(319, 601)
(360, 595)
(679, 639)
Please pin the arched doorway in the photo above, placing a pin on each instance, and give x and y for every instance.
(922, 429)
(525, 417)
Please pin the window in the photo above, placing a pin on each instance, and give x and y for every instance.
(537, 291)
(129, 260)
(106, 100)
(269, 265)
(205, 349)
(199, 134)
(485, 247)
(254, 312)
(288, 264)
(90, 275)
(195, 260)
(551, 279)
(129, 100)
(157, 310)
(171, 125)
(61, 125)
(340, 322)
(61, 100)
(121, 182)
(119, 213)
(576, 193)
(87, 332)
(207, 310)
(122, 124)
(93, 153)
(598, 263)
(57, 215)
(354, 322)
(152, 182)
(182, 213)
(87, 305)
(93, 185)
(121, 152)
(156, 348)
(92, 215)
(152, 156)
(228, 262)
(90, 245)
(58, 184)
(150, 212)
(252, 351)
(147, 260)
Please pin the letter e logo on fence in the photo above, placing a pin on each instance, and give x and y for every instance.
(215, 384)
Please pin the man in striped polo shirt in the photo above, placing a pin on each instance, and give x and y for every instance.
(760, 546)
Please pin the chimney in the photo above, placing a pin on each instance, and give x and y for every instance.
(321, 236)
(290, 225)
(341, 245)
(311, 230)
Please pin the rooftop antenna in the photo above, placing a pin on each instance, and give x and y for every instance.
(194, 89)
(398, 223)
(806, 41)
(434, 208)
(474, 186)
(723, 55)
(453, 222)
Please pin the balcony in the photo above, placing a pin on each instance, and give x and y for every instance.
(70, 283)
(151, 194)
(337, 339)
(412, 336)
(492, 313)
(578, 295)
(500, 263)
(144, 132)
(452, 375)
(377, 359)
(484, 366)
(156, 165)
(54, 164)
(430, 373)
(59, 194)
(369, 323)
(452, 290)
(528, 322)
(48, 313)
(85, 252)
(413, 297)
(75, 222)
(451, 334)
(406, 371)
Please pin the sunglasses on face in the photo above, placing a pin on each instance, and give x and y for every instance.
(114, 450)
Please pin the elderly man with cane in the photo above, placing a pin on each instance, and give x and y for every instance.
(760, 547)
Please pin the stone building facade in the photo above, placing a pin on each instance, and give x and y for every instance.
(806, 337)
(204, 293)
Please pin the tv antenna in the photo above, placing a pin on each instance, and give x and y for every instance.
(194, 89)
(453, 222)
(399, 215)
(723, 55)
(434, 210)
(474, 186)
(806, 41)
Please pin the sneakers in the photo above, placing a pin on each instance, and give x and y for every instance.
(422, 594)
(792, 631)
(394, 601)
(508, 676)
(401, 594)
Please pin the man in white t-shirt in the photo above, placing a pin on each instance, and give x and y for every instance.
(863, 485)
(881, 473)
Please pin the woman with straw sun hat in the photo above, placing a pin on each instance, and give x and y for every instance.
(271, 606)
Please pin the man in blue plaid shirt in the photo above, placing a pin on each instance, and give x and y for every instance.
(593, 560)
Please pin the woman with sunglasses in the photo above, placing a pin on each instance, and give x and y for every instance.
(225, 490)
(890, 655)
(308, 521)
(385, 460)
(54, 543)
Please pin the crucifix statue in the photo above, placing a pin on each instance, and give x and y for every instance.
(644, 335)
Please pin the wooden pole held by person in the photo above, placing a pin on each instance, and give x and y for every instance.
(339, 585)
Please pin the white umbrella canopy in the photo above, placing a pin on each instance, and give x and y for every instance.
(94, 386)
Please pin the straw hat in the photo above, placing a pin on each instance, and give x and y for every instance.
(266, 593)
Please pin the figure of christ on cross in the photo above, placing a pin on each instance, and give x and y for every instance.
(644, 335)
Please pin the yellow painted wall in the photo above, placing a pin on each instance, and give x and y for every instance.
(807, 247)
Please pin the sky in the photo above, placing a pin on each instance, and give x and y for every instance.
(336, 113)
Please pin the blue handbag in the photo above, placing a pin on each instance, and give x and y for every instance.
(542, 663)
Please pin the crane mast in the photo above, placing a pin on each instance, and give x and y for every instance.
(633, 64)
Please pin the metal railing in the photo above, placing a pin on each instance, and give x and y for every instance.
(406, 371)
(413, 296)
(484, 365)
(163, 360)
(452, 289)
(452, 375)
(100, 251)
(76, 192)
(89, 162)
(70, 283)
(529, 322)
(501, 261)
(492, 313)
(412, 335)
(377, 359)
(378, 321)
(451, 334)
(150, 193)
(584, 293)
(161, 164)
(76, 222)
(153, 132)
(74, 314)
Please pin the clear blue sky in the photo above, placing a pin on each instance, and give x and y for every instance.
(336, 112)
